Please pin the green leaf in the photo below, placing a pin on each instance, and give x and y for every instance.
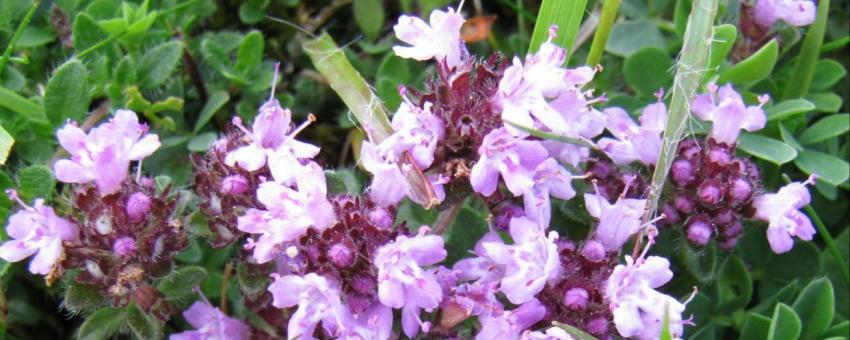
(181, 282)
(825, 102)
(67, 93)
(566, 15)
(800, 81)
(202, 142)
(35, 181)
(141, 324)
(829, 168)
(788, 109)
(6, 143)
(102, 324)
(826, 128)
(722, 42)
(216, 101)
(785, 295)
(648, 70)
(343, 181)
(250, 52)
(251, 281)
(756, 327)
(468, 227)
(35, 36)
(785, 324)
(628, 37)
(86, 32)
(827, 73)
(158, 63)
(79, 298)
(21, 105)
(734, 285)
(839, 330)
(701, 263)
(816, 307)
(253, 11)
(802, 263)
(125, 73)
(788, 138)
(753, 69)
(369, 16)
(766, 148)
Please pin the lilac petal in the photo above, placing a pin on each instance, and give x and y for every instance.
(249, 157)
(391, 293)
(70, 172)
(47, 255)
(72, 138)
(484, 177)
(16, 250)
(779, 239)
(144, 147)
(110, 171)
(410, 321)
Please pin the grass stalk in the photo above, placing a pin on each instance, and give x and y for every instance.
(18, 32)
(600, 37)
(566, 15)
(804, 68)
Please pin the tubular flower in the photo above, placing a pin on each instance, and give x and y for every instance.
(617, 222)
(317, 301)
(726, 110)
(37, 230)
(402, 283)
(104, 154)
(781, 211)
(515, 159)
(211, 323)
(439, 40)
(794, 12)
(552, 333)
(635, 143)
(549, 178)
(511, 324)
(638, 308)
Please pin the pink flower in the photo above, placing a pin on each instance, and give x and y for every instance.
(638, 308)
(289, 213)
(274, 144)
(528, 263)
(552, 333)
(794, 12)
(510, 324)
(417, 131)
(632, 142)
(402, 283)
(211, 323)
(104, 154)
(37, 230)
(617, 222)
(515, 159)
(389, 183)
(727, 111)
(439, 40)
(784, 219)
(549, 178)
(317, 300)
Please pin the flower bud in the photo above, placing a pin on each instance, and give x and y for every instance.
(699, 231)
(740, 190)
(719, 156)
(138, 205)
(682, 172)
(381, 218)
(341, 255)
(576, 298)
(598, 326)
(593, 251)
(234, 185)
(363, 284)
(124, 246)
(671, 214)
(710, 192)
(684, 204)
(733, 230)
(728, 244)
(506, 213)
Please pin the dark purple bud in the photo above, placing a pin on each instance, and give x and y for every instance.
(341, 255)
(124, 246)
(729, 244)
(593, 251)
(598, 326)
(576, 298)
(506, 213)
(740, 190)
(381, 218)
(699, 231)
(710, 192)
(672, 215)
(234, 185)
(683, 204)
(719, 156)
(723, 216)
(138, 205)
(733, 230)
(682, 172)
(689, 149)
(363, 284)
(601, 169)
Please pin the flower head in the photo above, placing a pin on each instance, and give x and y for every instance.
(211, 323)
(726, 110)
(439, 40)
(510, 324)
(37, 230)
(638, 308)
(402, 283)
(632, 142)
(781, 211)
(389, 184)
(104, 154)
(794, 12)
(515, 159)
(417, 131)
(617, 222)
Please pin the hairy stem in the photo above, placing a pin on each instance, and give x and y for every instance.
(600, 38)
(692, 61)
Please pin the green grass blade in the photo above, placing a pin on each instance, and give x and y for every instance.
(21, 105)
(692, 61)
(804, 67)
(600, 37)
(566, 14)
